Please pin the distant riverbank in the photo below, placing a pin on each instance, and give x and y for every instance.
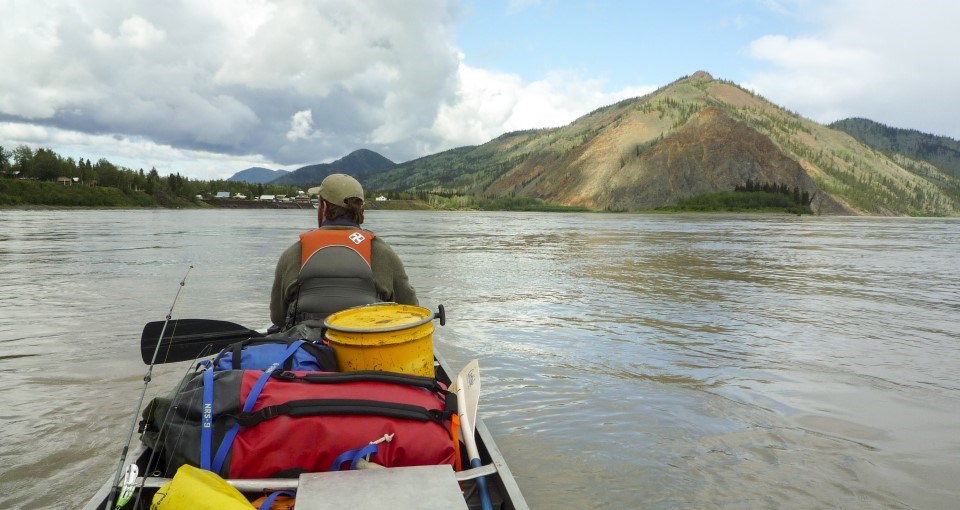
(26, 194)
(254, 204)
(393, 205)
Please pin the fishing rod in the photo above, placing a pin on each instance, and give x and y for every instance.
(206, 351)
(143, 394)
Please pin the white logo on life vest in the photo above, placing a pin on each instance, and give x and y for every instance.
(357, 237)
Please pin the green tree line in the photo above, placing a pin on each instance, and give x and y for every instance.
(800, 198)
(750, 196)
(33, 177)
(738, 201)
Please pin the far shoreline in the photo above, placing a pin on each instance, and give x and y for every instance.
(42, 207)
(420, 205)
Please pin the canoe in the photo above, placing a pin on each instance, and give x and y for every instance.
(380, 488)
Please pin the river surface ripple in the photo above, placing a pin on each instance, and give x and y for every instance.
(627, 361)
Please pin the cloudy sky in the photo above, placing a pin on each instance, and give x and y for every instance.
(209, 87)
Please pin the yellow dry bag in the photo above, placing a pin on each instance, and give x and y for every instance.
(197, 489)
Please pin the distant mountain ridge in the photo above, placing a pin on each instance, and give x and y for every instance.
(694, 136)
(940, 151)
(359, 164)
(697, 135)
(257, 175)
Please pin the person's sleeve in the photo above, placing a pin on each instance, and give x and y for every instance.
(284, 276)
(390, 276)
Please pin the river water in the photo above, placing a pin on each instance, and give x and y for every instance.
(627, 361)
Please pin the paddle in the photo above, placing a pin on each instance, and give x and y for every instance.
(186, 339)
(467, 388)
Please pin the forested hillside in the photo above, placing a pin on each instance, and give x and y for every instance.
(359, 164)
(934, 158)
(941, 151)
(692, 137)
(257, 175)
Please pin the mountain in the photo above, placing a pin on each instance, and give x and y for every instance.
(257, 175)
(939, 151)
(359, 164)
(696, 135)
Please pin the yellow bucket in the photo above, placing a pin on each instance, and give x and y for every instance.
(383, 336)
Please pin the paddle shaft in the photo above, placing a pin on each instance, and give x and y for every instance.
(467, 428)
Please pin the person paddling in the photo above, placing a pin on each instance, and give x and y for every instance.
(336, 266)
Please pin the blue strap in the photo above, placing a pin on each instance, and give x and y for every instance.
(248, 406)
(370, 449)
(269, 501)
(257, 388)
(206, 429)
(353, 456)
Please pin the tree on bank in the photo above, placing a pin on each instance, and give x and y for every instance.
(152, 182)
(4, 160)
(114, 185)
(23, 160)
(46, 165)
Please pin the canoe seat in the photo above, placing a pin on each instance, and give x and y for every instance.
(423, 487)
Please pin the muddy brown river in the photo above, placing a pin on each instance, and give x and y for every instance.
(627, 361)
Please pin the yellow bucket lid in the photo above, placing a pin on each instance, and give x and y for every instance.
(378, 318)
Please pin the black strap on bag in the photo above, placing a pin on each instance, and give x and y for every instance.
(416, 381)
(327, 407)
(315, 407)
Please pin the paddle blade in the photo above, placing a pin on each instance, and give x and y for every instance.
(187, 339)
(469, 379)
(467, 387)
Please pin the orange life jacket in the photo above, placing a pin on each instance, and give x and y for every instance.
(335, 273)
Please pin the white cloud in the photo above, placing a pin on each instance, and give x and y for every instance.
(269, 82)
(227, 76)
(301, 126)
(18, 133)
(893, 62)
(490, 104)
(134, 32)
(130, 152)
(140, 33)
(238, 19)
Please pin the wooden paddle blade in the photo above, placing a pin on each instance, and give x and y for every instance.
(187, 339)
(469, 377)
